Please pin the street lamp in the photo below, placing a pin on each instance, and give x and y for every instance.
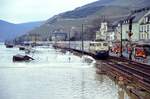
(69, 40)
(84, 27)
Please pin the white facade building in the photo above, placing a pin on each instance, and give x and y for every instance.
(145, 27)
(136, 25)
(102, 33)
(106, 32)
(58, 36)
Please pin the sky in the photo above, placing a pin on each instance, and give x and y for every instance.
(20, 11)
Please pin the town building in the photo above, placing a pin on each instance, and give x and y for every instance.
(145, 27)
(137, 26)
(106, 32)
(101, 34)
(59, 36)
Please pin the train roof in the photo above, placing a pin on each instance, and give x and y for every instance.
(98, 42)
(143, 45)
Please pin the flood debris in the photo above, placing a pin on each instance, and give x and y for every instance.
(9, 46)
(21, 48)
(20, 58)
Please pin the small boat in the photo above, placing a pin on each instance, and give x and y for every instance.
(21, 48)
(9, 46)
(19, 57)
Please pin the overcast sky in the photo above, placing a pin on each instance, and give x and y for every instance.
(19, 11)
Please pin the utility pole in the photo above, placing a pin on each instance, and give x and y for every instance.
(82, 40)
(69, 47)
(69, 40)
(130, 34)
(121, 39)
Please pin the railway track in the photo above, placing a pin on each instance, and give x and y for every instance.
(136, 67)
(145, 66)
(139, 72)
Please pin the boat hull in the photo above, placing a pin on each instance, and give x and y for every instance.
(21, 58)
(9, 46)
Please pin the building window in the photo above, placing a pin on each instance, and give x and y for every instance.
(142, 36)
(146, 19)
(141, 28)
(146, 35)
(147, 28)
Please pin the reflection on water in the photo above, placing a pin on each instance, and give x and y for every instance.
(52, 75)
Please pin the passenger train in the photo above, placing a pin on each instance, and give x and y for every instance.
(98, 49)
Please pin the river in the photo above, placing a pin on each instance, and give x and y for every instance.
(53, 75)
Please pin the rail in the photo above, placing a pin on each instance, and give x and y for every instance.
(139, 72)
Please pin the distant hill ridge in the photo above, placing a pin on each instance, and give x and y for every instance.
(88, 14)
(9, 31)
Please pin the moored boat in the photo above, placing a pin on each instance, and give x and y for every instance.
(19, 57)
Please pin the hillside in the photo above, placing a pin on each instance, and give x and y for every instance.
(90, 15)
(10, 31)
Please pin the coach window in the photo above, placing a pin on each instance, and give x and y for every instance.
(99, 44)
(105, 44)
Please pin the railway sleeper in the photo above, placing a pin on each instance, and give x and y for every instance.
(134, 71)
(121, 72)
(135, 75)
(146, 66)
(131, 67)
(139, 76)
(144, 85)
(146, 72)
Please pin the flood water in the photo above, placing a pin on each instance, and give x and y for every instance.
(53, 75)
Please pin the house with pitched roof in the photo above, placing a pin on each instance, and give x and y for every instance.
(144, 29)
(137, 17)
